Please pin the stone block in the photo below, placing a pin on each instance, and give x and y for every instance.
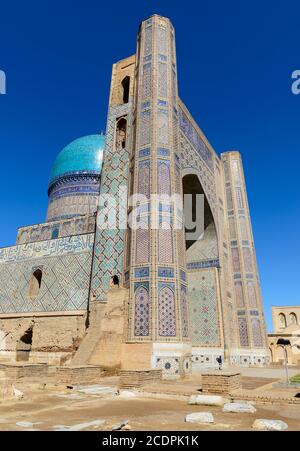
(200, 417)
(269, 425)
(138, 378)
(207, 400)
(239, 407)
(220, 382)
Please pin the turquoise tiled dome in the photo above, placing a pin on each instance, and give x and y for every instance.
(84, 155)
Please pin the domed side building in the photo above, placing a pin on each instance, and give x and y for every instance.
(45, 278)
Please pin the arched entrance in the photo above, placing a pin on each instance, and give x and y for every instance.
(202, 261)
(203, 247)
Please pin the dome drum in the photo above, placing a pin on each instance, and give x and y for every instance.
(75, 179)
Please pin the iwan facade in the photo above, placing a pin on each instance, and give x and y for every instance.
(185, 301)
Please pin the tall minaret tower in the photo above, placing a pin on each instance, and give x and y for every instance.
(251, 330)
(141, 153)
(158, 318)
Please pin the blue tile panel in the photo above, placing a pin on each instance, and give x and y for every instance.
(195, 139)
(141, 272)
(66, 267)
(73, 185)
(49, 248)
(204, 313)
(204, 264)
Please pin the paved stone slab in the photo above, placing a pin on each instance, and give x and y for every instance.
(80, 426)
(27, 424)
(239, 407)
(99, 390)
(207, 400)
(200, 417)
(269, 425)
(127, 394)
(119, 426)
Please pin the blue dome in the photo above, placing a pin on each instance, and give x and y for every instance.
(84, 155)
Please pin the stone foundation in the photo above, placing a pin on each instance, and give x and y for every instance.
(138, 378)
(220, 382)
(64, 375)
(78, 375)
(15, 372)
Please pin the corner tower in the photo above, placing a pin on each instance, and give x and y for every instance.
(158, 316)
(249, 316)
(141, 153)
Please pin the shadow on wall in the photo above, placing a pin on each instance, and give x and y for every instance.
(23, 347)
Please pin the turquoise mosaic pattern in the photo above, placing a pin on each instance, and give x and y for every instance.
(75, 179)
(204, 315)
(66, 268)
(194, 137)
(110, 243)
(45, 249)
(82, 155)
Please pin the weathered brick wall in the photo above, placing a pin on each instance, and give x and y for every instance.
(220, 382)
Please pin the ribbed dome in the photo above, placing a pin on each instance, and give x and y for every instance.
(84, 155)
(75, 179)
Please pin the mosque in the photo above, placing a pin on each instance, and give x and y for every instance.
(74, 292)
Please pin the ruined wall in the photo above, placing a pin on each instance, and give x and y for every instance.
(53, 338)
(44, 290)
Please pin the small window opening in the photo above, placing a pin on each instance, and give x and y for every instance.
(35, 284)
(121, 134)
(115, 281)
(55, 233)
(126, 87)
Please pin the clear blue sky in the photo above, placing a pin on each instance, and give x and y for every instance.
(235, 63)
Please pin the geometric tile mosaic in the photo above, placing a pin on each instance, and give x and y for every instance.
(110, 242)
(243, 332)
(166, 311)
(141, 315)
(64, 286)
(194, 137)
(204, 320)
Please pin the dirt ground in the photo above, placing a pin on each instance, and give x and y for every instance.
(62, 409)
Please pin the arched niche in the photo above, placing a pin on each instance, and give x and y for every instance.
(205, 244)
(293, 319)
(282, 320)
(35, 284)
(121, 133)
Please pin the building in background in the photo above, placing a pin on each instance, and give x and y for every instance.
(286, 325)
(181, 302)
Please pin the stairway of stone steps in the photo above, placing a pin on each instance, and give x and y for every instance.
(103, 341)
(90, 340)
(110, 345)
